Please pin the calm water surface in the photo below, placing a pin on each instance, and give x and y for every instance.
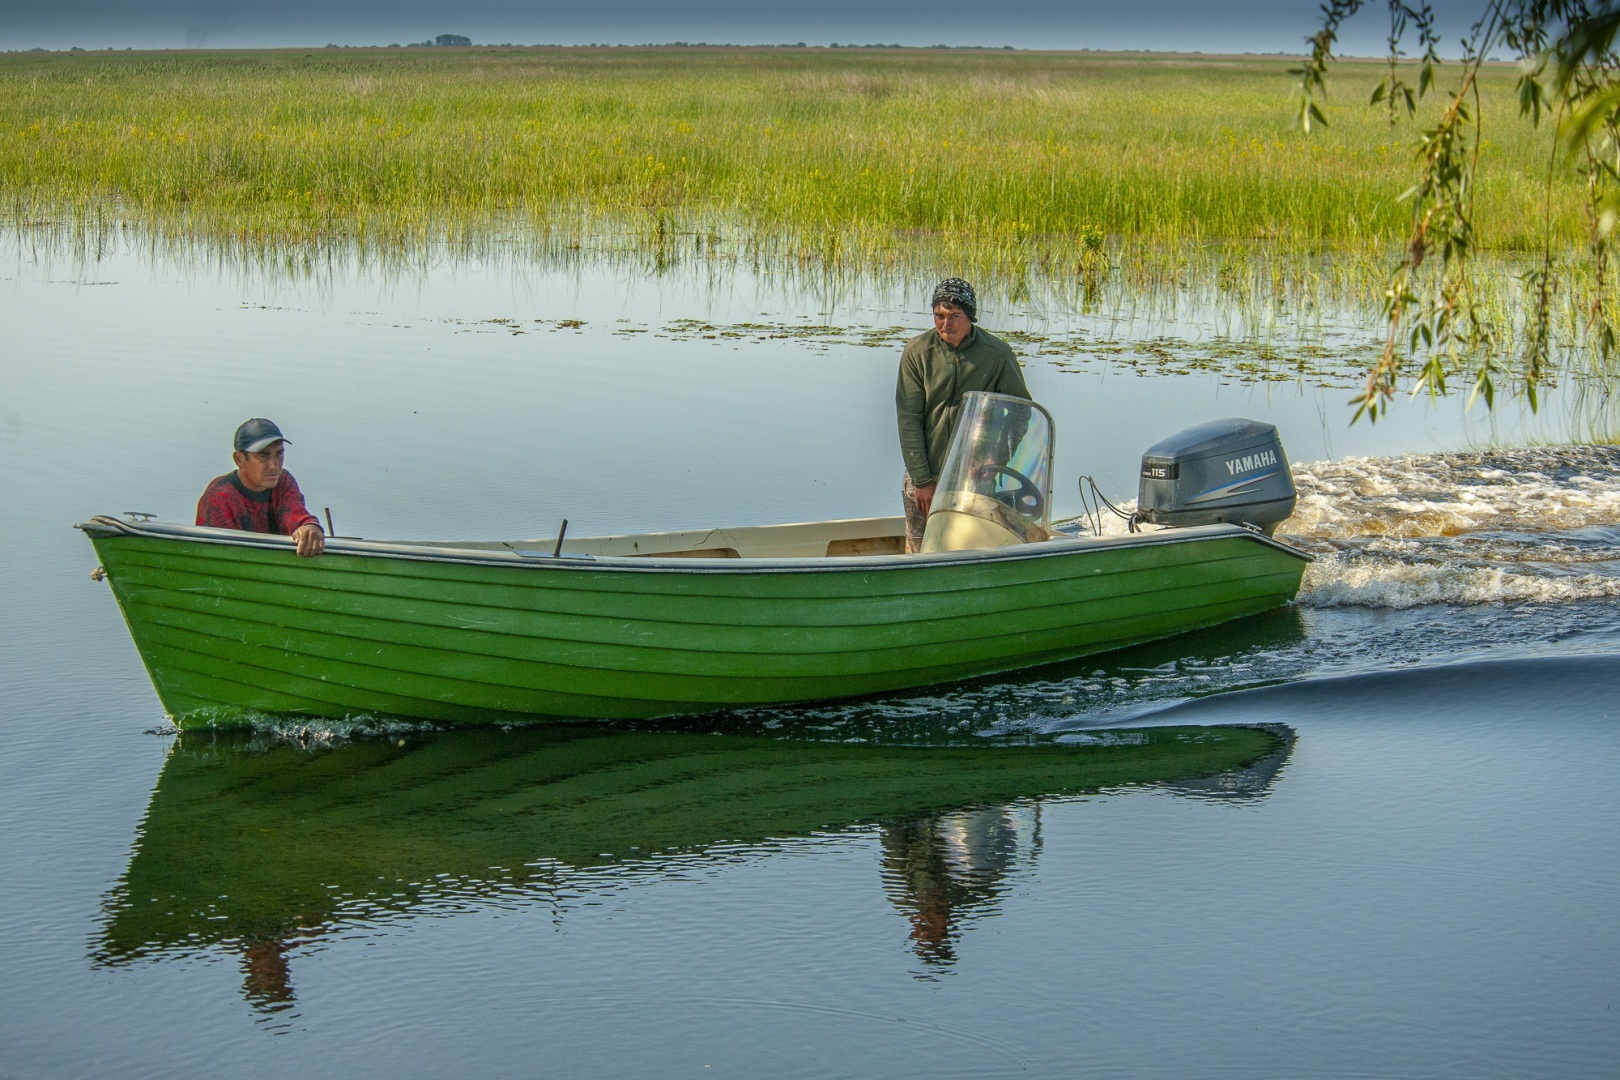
(1417, 878)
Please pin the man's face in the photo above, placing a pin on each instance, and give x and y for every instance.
(952, 324)
(260, 470)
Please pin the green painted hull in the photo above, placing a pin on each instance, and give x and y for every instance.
(232, 624)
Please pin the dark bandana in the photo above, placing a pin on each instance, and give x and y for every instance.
(959, 293)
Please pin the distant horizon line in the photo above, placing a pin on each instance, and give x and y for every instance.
(841, 46)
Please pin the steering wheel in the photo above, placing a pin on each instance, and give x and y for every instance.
(1026, 499)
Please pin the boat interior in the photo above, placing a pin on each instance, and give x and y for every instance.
(811, 539)
(804, 540)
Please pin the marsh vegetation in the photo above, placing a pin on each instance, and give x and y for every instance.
(1066, 175)
(1043, 153)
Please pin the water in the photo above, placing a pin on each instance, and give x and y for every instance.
(1419, 881)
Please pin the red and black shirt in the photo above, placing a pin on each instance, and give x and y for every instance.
(227, 504)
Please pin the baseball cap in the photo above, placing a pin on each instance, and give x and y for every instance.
(256, 434)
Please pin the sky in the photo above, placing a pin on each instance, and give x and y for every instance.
(1168, 25)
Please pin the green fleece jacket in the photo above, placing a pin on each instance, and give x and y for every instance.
(928, 396)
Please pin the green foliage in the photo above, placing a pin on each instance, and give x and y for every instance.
(1567, 69)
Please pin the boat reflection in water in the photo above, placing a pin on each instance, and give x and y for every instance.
(942, 870)
(258, 845)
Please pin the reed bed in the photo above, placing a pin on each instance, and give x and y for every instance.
(1069, 181)
(816, 154)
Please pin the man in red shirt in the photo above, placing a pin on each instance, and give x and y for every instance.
(261, 496)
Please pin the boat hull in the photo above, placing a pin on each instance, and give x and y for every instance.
(234, 624)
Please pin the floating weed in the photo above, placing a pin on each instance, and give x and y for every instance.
(1317, 364)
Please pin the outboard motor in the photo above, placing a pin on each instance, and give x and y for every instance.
(1229, 471)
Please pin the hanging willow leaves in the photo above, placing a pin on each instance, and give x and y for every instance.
(1437, 329)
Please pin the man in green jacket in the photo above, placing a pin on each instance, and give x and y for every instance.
(936, 369)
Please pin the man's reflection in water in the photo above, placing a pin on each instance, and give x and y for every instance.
(266, 975)
(939, 869)
(267, 962)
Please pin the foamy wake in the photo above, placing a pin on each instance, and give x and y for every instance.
(1335, 580)
(1535, 525)
(1510, 526)
(1540, 489)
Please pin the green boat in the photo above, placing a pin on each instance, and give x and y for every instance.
(233, 624)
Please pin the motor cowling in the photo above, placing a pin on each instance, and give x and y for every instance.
(1231, 471)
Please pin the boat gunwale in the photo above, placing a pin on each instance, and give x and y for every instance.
(1056, 547)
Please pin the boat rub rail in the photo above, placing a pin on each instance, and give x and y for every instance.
(683, 559)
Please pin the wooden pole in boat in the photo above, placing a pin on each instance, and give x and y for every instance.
(329, 530)
(556, 552)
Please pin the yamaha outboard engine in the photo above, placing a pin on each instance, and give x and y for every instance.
(1226, 471)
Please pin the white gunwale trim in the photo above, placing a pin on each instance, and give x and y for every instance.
(418, 551)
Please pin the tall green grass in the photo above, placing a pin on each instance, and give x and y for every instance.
(815, 154)
(1070, 181)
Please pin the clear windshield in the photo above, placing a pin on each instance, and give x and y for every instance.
(999, 467)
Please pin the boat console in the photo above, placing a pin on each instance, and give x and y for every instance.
(995, 487)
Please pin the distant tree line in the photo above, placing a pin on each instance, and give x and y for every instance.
(443, 41)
